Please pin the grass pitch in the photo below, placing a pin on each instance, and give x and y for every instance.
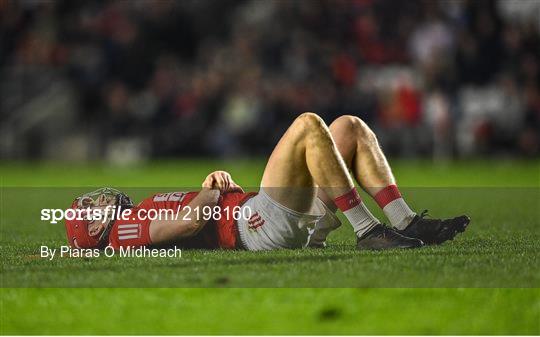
(486, 281)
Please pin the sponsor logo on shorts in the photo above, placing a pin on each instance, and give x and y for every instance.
(255, 221)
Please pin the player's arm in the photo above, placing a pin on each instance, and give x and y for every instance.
(188, 222)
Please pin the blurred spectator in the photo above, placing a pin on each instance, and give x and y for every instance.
(125, 80)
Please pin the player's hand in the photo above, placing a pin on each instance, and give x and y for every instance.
(223, 181)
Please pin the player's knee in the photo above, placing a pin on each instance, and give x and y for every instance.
(310, 122)
(353, 125)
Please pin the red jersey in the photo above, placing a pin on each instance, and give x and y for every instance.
(221, 233)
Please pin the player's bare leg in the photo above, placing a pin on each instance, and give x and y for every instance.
(362, 154)
(307, 157)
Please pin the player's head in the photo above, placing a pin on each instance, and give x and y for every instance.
(85, 232)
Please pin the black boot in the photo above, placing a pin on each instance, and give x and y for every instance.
(382, 237)
(435, 231)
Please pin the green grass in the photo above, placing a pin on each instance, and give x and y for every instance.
(485, 282)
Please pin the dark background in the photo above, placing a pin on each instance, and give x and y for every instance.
(130, 80)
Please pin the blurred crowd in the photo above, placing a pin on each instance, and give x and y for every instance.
(130, 80)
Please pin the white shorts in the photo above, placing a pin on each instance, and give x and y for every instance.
(274, 226)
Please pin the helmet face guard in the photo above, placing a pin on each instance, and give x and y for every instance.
(77, 230)
(103, 197)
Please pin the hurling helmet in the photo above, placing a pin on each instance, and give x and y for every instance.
(77, 229)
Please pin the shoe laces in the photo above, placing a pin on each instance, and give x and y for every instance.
(427, 217)
(387, 231)
(424, 214)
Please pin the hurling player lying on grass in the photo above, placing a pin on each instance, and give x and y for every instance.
(305, 181)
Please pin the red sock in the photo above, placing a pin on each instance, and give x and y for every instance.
(348, 200)
(387, 195)
(394, 207)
